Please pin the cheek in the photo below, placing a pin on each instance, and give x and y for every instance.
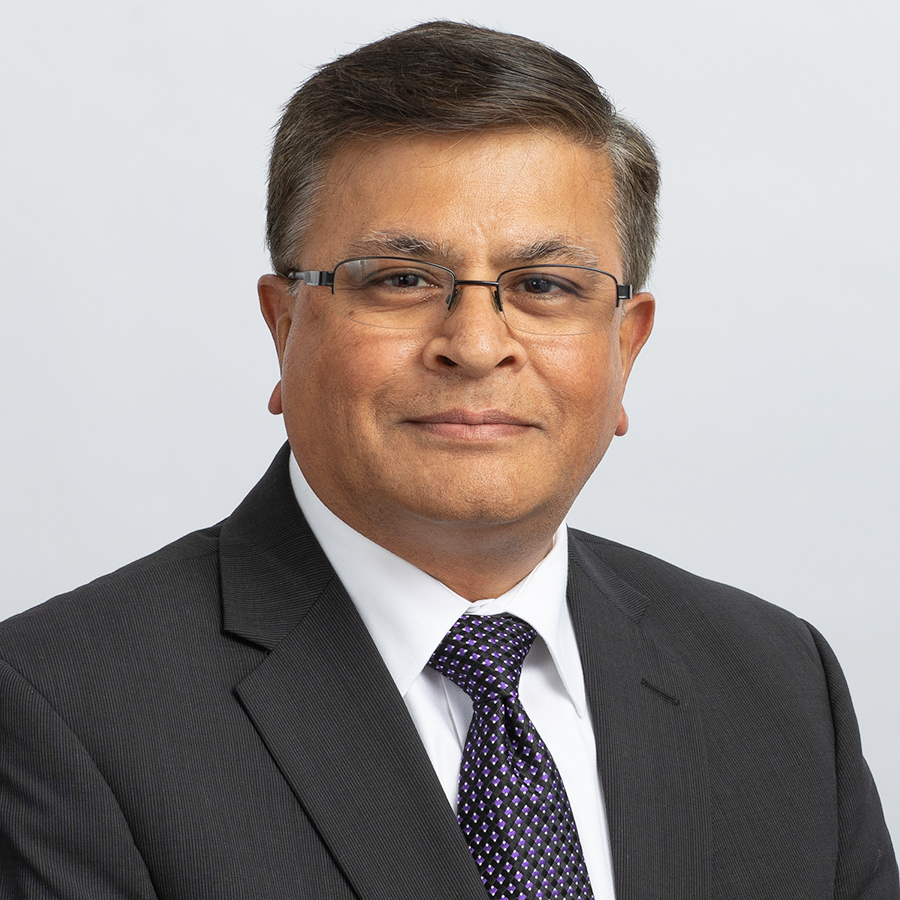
(337, 372)
(585, 378)
(588, 394)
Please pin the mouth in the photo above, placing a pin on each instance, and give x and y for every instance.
(472, 425)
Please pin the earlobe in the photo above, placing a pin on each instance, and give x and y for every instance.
(621, 425)
(275, 406)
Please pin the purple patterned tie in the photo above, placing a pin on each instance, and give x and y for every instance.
(513, 808)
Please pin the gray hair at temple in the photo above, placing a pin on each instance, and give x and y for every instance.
(445, 78)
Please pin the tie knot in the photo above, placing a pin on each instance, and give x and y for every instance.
(484, 655)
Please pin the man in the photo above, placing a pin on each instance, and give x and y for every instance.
(310, 698)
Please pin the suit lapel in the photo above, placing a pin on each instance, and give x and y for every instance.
(329, 713)
(649, 740)
(332, 719)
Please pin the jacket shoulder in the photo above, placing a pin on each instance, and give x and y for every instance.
(134, 599)
(668, 601)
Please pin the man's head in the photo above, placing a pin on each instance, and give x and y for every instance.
(457, 440)
(450, 78)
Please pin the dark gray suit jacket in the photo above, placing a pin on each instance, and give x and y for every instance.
(214, 722)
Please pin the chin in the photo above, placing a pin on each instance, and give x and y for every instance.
(478, 503)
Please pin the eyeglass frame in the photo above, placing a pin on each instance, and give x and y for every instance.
(324, 278)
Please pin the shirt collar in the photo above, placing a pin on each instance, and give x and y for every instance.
(407, 612)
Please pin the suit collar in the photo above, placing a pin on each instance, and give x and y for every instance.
(587, 566)
(272, 568)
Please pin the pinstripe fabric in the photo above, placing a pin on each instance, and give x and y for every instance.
(189, 727)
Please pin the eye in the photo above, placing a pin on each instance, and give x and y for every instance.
(405, 280)
(380, 275)
(538, 284)
(543, 284)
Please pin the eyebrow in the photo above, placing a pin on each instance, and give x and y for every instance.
(389, 242)
(556, 248)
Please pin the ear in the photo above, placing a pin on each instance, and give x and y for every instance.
(637, 323)
(277, 305)
(276, 302)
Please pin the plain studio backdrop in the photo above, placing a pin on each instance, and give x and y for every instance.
(764, 411)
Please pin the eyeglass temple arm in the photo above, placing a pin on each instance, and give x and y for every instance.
(313, 278)
(623, 292)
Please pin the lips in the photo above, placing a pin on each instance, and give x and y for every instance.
(472, 425)
(471, 417)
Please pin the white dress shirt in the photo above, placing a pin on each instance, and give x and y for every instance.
(407, 613)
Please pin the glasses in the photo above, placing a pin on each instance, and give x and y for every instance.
(390, 292)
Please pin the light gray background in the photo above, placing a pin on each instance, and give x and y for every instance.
(136, 369)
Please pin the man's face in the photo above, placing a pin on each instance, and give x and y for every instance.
(467, 423)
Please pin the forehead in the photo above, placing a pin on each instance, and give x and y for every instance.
(483, 196)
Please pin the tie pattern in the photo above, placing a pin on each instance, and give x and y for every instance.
(513, 808)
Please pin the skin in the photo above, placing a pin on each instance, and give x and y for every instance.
(460, 448)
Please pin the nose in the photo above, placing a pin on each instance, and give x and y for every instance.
(473, 337)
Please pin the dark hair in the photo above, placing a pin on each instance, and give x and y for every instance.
(443, 78)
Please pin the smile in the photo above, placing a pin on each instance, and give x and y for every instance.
(472, 425)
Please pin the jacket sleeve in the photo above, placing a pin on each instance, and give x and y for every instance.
(866, 868)
(62, 832)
